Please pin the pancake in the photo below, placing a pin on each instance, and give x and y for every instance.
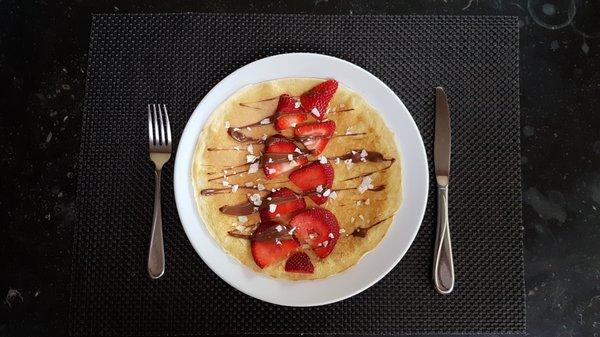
(364, 218)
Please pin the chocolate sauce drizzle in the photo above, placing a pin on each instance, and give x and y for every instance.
(362, 231)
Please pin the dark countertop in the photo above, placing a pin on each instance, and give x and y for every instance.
(43, 49)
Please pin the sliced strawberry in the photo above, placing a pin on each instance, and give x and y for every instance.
(266, 252)
(288, 113)
(276, 160)
(286, 202)
(315, 136)
(299, 262)
(318, 228)
(318, 98)
(311, 176)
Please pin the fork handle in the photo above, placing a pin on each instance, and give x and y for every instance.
(443, 266)
(156, 254)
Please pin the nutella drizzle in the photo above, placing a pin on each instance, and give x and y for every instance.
(248, 207)
(362, 231)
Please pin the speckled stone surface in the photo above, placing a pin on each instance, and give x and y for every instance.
(43, 48)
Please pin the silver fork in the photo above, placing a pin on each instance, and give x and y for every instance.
(160, 146)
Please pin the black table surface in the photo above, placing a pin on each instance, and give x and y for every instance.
(43, 58)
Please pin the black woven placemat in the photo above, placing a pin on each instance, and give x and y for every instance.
(176, 58)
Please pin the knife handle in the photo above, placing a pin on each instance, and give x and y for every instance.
(443, 266)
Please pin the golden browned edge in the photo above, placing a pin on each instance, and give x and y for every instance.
(364, 118)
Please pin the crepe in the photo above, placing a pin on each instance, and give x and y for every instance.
(217, 151)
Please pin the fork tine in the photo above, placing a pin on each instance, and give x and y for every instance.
(168, 125)
(156, 135)
(150, 133)
(162, 126)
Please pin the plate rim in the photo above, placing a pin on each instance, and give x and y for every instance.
(182, 177)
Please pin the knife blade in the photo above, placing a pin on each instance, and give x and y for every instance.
(441, 149)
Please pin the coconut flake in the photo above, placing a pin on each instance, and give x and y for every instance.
(323, 160)
(256, 199)
(333, 195)
(291, 231)
(342, 231)
(264, 137)
(234, 188)
(237, 148)
(260, 187)
(297, 150)
(325, 243)
(227, 124)
(368, 202)
(297, 104)
(319, 188)
(315, 112)
(337, 160)
(272, 208)
(270, 160)
(293, 125)
(225, 183)
(352, 220)
(253, 168)
(365, 184)
(312, 236)
(271, 170)
(290, 157)
(362, 217)
(250, 149)
(248, 184)
(236, 129)
(265, 121)
(250, 158)
(240, 228)
(248, 128)
(363, 153)
(277, 241)
(327, 193)
(331, 236)
(279, 228)
(242, 218)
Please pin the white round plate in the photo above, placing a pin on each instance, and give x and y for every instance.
(377, 263)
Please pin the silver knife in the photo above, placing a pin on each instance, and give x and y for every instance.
(443, 266)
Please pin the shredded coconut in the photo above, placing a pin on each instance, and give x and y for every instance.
(264, 137)
(319, 188)
(290, 157)
(327, 193)
(315, 112)
(363, 153)
(323, 160)
(278, 228)
(365, 184)
(271, 170)
(234, 188)
(333, 195)
(225, 183)
(250, 149)
(297, 150)
(256, 199)
(297, 104)
(265, 121)
(331, 236)
(260, 187)
(325, 243)
(337, 160)
(250, 158)
(237, 148)
(272, 208)
(253, 168)
(236, 129)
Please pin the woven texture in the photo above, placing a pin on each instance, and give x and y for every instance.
(176, 58)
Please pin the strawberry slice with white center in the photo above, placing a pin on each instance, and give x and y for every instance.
(310, 177)
(288, 113)
(281, 155)
(299, 262)
(266, 252)
(315, 136)
(316, 100)
(285, 201)
(318, 228)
